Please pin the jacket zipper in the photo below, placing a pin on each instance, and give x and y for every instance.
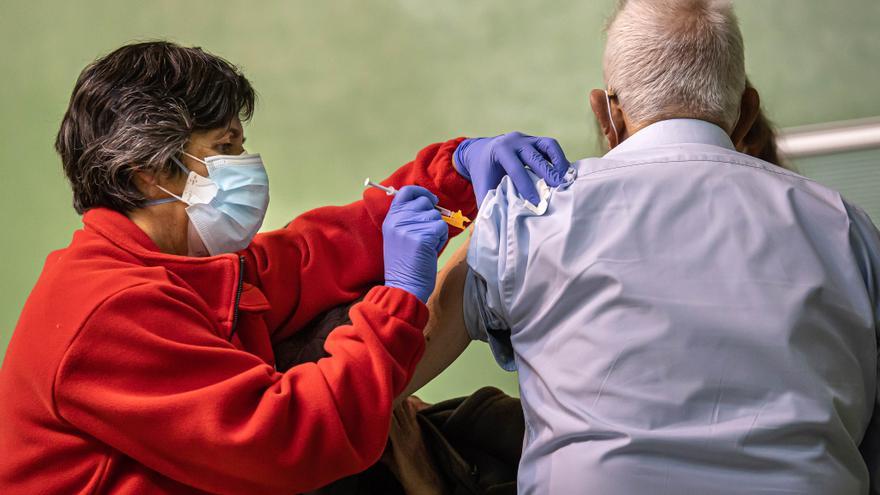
(237, 297)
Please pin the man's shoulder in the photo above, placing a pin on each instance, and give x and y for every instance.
(652, 179)
(659, 157)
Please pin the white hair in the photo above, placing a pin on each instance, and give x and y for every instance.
(676, 58)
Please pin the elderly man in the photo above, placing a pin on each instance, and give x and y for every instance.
(684, 318)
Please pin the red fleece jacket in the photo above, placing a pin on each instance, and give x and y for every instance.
(134, 371)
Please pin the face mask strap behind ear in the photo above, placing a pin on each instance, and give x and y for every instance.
(174, 197)
(610, 118)
(193, 157)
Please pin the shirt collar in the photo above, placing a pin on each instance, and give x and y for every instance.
(674, 131)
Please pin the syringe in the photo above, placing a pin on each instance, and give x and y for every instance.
(456, 219)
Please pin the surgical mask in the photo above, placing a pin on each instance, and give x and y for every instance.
(610, 118)
(225, 209)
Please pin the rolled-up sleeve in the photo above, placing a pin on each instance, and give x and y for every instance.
(487, 283)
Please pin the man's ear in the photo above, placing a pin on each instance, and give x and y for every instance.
(749, 106)
(599, 106)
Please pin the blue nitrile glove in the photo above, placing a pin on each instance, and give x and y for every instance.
(484, 161)
(413, 235)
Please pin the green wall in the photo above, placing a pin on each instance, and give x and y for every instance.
(350, 88)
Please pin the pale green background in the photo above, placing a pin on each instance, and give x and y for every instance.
(354, 88)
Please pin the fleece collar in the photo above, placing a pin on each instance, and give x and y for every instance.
(215, 278)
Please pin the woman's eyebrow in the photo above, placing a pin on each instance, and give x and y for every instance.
(226, 134)
(230, 133)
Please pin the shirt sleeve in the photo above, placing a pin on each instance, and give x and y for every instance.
(865, 242)
(333, 255)
(487, 283)
(149, 375)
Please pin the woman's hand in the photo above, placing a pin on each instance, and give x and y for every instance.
(413, 235)
(485, 161)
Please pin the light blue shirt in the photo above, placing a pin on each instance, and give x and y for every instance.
(685, 319)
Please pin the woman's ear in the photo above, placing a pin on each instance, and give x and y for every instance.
(146, 183)
(599, 104)
(749, 106)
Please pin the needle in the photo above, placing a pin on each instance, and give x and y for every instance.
(456, 219)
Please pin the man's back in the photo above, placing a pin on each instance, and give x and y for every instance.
(684, 319)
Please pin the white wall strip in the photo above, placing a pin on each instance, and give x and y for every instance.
(832, 137)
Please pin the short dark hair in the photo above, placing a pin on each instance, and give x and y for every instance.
(134, 109)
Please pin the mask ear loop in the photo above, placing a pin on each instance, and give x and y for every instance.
(610, 118)
(154, 202)
(173, 197)
(191, 156)
(736, 120)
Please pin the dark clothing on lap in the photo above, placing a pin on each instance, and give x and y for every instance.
(475, 441)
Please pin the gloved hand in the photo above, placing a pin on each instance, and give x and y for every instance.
(413, 235)
(484, 161)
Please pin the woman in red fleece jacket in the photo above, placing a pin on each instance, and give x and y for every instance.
(142, 361)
